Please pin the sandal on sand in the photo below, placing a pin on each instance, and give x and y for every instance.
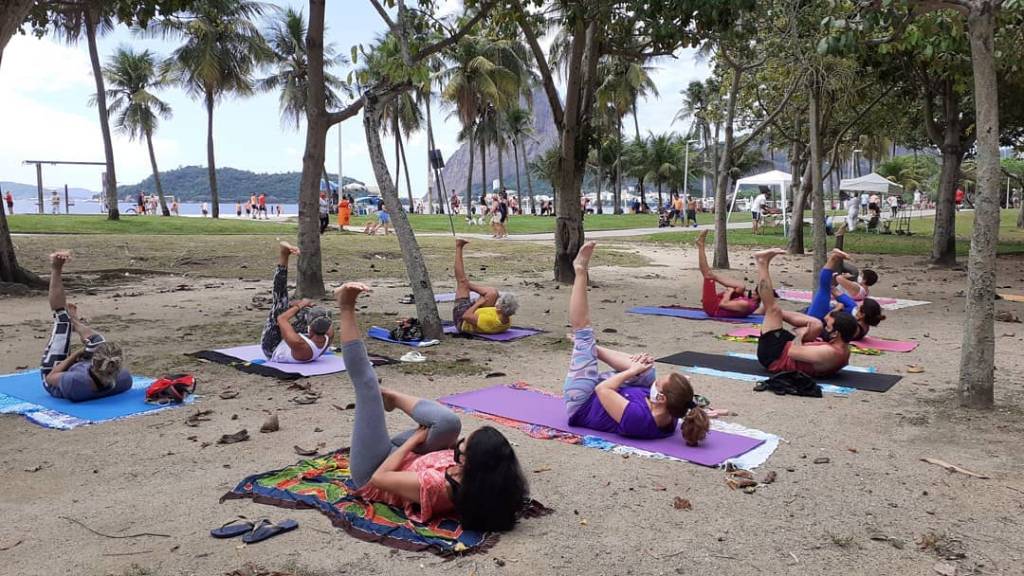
(413, 357)
(266, 529)
(233, 528)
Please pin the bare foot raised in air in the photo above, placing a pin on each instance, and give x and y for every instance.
(388, 397)
(287, 249)
(59, 258)
(841, 254)
(582, 261)
(460, 242)
(349, 291)
(768, 255)
(701, 238)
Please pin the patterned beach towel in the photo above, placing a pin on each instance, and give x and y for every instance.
(324, 483)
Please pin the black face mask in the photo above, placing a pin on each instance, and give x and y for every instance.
(453, 483)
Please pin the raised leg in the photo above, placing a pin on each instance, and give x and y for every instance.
(579, 306)
(444, 424)
(271, 335)
(461, 280)
(772, 311)
(59, 346)
(799, 320)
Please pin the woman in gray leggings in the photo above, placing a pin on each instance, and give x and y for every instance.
(429, 471)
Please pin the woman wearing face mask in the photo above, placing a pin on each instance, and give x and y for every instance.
(631, 400)
(480, 479)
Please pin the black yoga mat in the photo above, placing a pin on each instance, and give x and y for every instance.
(870, 381)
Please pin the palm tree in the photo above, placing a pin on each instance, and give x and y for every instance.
(223, 48)
(131, 76)
(662, 160)
(91, 18)
(624, 83)
(519, 124)
(286, 38)
(545, 167)
(636, 164)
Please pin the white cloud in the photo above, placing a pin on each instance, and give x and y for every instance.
(27, 57)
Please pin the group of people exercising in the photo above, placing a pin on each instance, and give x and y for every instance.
(430, 470)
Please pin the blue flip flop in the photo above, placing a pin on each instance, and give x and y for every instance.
(236, 527)
(266, 529)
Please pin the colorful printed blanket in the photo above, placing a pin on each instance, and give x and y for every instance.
(324, 483)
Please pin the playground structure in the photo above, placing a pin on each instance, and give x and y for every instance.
(39, 179)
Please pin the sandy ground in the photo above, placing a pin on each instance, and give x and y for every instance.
(875, 508)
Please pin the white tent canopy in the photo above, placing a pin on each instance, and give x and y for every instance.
(871, 183)
(770, 178)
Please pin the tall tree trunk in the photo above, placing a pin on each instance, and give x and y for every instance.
(484, 185)
(408, 179)
(618, 166)
(441, 200)
(952, 146)
(156, 175)
(977, 352)
(91, 21)
(9, 269)
(398, 150)
(501, 166)
(415, 265)
(469, 177)
(519, 184)
(310, 282)
(636, 121)
(944, 239)
(721, 259)
(817, 193)
(529, 180)
(801, 193)
(211, 164)
(660, 201)
(597, 194)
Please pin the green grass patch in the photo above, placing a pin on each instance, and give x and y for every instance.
(1011, 238)
(147, 225)
(525, 224)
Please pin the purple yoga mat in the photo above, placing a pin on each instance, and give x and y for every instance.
(537, 408)
(329, 363)
(866, 342)
(692, 314)
(513, 333)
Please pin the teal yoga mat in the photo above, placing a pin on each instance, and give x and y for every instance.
(28, 386)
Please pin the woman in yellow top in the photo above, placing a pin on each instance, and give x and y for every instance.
(490, 314)
(344, 212)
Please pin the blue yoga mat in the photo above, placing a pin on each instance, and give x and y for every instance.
(28, 386)
(384, 335)
(692, 314)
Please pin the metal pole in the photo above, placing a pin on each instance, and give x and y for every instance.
(686, 170)
(340, 179)
(39, 185)
(67, 204)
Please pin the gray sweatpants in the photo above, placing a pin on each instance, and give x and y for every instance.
(371, 443)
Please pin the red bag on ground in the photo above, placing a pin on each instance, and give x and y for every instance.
(173, 389)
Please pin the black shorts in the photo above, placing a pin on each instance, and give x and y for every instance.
(771, 345)
(458, 309)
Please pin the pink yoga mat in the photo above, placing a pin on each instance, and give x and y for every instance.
(329, 363)
(869, 342)
(806, 295)
(537, 408)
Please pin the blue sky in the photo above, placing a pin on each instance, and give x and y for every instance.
(45, 113)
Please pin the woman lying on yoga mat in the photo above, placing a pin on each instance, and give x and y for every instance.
(780, 350)
(491, 313)
(855, 282)
(428, 470)
(735, 302)
(94, 372)
(282, 341)
(630, 400)
(868, 312)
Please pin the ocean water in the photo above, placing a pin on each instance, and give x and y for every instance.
(227, 209)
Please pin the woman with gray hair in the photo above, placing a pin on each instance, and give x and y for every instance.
(93, 372)
(491, 313)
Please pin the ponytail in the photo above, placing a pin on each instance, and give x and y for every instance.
(695, 426)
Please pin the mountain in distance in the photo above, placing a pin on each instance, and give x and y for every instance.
(192, 184)
(29, 191)
(545, 136)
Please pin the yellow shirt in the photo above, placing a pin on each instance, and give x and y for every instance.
(488, 321)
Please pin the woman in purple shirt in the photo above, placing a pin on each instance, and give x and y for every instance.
(630, 400)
